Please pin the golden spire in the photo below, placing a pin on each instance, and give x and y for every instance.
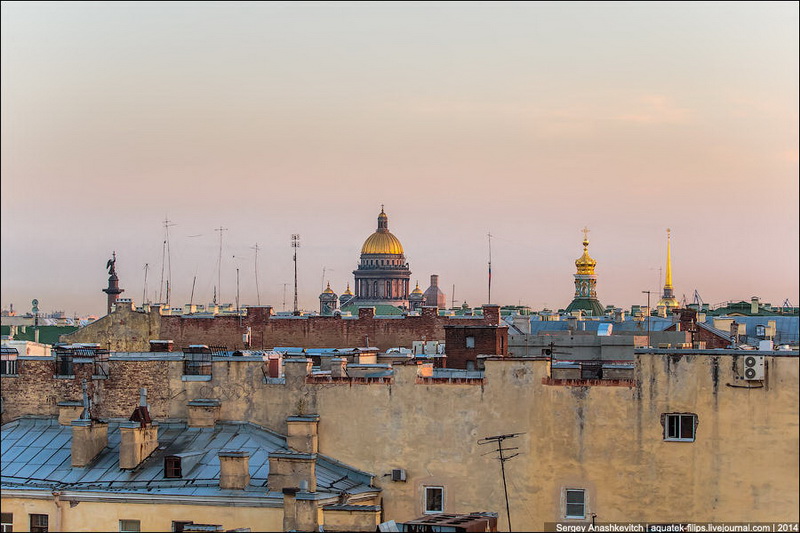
(668, 299)
(668, 277)
(585, 263)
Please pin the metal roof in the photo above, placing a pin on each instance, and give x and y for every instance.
(36, 455)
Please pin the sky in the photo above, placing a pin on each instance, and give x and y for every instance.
(529, 121)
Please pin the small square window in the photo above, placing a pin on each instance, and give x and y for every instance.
(130, 526)
(576, 503)
(39, 523)
(434, 500)
(679, 427)
(470, 342)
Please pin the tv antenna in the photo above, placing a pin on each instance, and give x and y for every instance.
(219, 265)
(490, 266)
(295, 246)
(165, 260)
(503, 458)
(258, 294)
(144, 292)
(324, 270)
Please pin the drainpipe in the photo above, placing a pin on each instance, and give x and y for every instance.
(59, 511)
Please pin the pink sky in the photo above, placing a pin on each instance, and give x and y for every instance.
(526, 120)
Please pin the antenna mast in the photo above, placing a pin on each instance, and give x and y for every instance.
(258, 294)
(144, 292)
(219, 264)
(503, 458)
(295, 246)
(490, 267)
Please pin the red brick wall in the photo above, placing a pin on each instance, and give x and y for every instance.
(313, 332)
(489, 340)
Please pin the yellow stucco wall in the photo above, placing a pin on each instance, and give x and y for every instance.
(743, 465)
(105, 516)
(607, 440)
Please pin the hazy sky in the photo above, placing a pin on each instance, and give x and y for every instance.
(526, 120)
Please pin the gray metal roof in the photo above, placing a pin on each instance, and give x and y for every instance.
(36, 455)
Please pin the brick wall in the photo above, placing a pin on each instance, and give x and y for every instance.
(489, 340)
(129, 330)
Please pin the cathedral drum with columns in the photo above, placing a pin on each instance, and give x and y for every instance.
(382, 277)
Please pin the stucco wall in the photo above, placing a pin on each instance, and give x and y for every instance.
(605, 439)
(153, 516)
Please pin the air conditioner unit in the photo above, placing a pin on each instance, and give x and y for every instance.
(753, 367)
(398, 474)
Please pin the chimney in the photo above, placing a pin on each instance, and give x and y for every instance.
(157, 345)
(491, 314)
(303, 435)
(338, 367)
(754, 305)
(138, 436)
(89, 437)
(289, 469)
(234, 469)
(295, 370)
(69, 411)
(204, 412)
(435, 280)
(300, 510)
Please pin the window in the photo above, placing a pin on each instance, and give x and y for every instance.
(7, 522)
(761, 331)
(39, 523)
(177, 526)
(576, 503)
(679, 427)
(172, 466)
(8, 367)
(470, 342)
(131, 526)
(434, 500)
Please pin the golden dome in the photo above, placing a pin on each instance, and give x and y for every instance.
(585, 263)
(328, 290)
(347, 292)
(417, 290)
(382, 241)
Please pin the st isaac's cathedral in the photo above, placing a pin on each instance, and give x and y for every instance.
(382, 276)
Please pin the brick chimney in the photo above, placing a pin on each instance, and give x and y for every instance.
(338, 367)
(491, 314)
(303, 435)
(234, 469)
(138, 436)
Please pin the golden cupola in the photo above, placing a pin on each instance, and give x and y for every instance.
(347, 291)
(382, 241)
(417, 290)
(328, 289)
(585, 263)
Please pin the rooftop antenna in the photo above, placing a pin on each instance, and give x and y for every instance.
(165, 261)
(191, 298)
(219, 263)
(237, 291)
(453, 298)
(144, 292)
(490, 267)
(503, 458)
(258, 294)
(284, 296)
(295, 246)
(698, 300)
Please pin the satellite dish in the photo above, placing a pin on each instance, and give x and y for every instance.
(34, 302)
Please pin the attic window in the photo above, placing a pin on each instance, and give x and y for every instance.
(172, 467)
